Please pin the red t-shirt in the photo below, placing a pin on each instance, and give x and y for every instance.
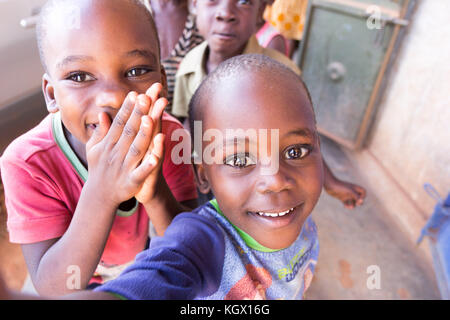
(43, 180)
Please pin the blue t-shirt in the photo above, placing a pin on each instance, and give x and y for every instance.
(203, 256)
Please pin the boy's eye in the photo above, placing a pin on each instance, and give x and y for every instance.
(80, 77)
(243, 1)
(136, 72)
(296, 152)
(239, 161)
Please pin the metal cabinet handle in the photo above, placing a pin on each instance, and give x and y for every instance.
(336, 70)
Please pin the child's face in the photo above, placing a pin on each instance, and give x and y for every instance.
(227, 24)
(93, 66)
(244, 191)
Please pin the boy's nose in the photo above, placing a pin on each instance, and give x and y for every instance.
(111, 97)
(225, 12)
(274, 182)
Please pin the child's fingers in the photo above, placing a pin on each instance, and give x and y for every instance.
(154, 91)
(156, 115)
(140, 144)
(349, 204)
(100, 131)
(152, 160)
(158, 108)
(155, 111)
(158, 146)
(361, 191)
(145, 168)
(133, 125)
(122, 117)
(360, 194)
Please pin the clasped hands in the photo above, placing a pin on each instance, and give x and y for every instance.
(125, 156)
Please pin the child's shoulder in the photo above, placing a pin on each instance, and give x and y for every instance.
(193, 59)
(254, 47)
(169, 123)
(38, 139)
(280, 57)
(197, 225)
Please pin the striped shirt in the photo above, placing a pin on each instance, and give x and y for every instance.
(188, 40)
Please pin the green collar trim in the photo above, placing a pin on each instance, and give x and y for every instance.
(118, 296)
(65, 147)
(252, 243)
(63, 144)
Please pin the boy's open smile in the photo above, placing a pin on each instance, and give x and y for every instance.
(277, 218)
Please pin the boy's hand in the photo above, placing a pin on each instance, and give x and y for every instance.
(155, 152)
(115, 152)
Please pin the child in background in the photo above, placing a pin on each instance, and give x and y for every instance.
(288, 17)
(170, 17)
(256, 240)
(61, 216)
(228, 27)
(183, 28)
(269, 37)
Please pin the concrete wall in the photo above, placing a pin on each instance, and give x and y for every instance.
(19, 57)
(409, 143)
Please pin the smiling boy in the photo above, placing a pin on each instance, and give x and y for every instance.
(62, 216)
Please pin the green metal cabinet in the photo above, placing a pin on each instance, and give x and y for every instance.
(346, 51)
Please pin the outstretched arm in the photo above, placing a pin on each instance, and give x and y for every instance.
(7, 294)
(177, 266)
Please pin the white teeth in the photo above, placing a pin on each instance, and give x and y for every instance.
(275, 214)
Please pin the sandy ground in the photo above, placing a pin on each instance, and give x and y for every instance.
(356, 244)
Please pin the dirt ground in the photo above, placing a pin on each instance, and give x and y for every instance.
(12, 264)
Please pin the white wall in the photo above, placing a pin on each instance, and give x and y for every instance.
(411, 136)
(21, 70)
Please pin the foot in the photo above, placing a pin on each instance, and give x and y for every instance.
(350, 194)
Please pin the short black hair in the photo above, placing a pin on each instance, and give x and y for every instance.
(49, 6)
(232, 68)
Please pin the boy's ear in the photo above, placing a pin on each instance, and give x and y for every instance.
(201, 179)
(49, 94)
